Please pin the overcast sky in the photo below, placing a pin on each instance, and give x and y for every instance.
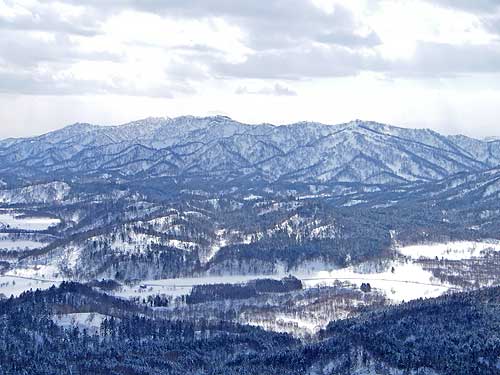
(413, 63)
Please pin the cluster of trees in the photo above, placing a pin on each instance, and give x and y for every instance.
(217, 292)
(454, 334)
(285, 285)
(130, 341)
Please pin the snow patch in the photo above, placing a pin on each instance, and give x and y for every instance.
(458, 250)
(14, 220)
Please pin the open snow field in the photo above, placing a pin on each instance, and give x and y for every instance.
(14, 220)
(458, 250)
(11, 243)
(408, 281)
(89, 321)
(12, 285)
(399, 280)
(20, 280)
(182, 286)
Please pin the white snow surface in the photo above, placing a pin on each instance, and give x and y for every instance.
(14, 220)
(15, 286)
(458, 250)
(43, 193)
(7, 243)
(89, 321)
(408, 281)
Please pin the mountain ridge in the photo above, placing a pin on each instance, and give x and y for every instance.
(217, 147)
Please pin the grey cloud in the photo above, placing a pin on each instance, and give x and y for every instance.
(492, 23)
(475, 6)
(488, 11)
(44, 17)
(297, 64)
(429, 60)
(268, 24)
(290, 40)
(186, 70)
(276, 90)
(29, 83)
(350, 39)
(23, 49)
(437, 59)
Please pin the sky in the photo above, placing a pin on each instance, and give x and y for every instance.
(412, 63)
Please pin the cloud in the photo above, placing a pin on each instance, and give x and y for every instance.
(350, 39)
(487, 11)
(441, 59)
(46, 83)
(430, 60)
(72, 47)
(474, 6)
(267, 24)
(50, 17)
(27, 50)
(297, 64)
(276, 90)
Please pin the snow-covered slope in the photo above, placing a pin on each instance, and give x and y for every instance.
(43, 193)
(219, 147)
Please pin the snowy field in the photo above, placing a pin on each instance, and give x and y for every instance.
(399, 280)
(20, 280)
(89, 321)
(14, 220)
(10, 243)
(12, 285)
(458, 250)
(182, 286)
(36, 272)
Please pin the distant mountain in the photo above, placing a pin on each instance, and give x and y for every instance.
(160, 198)
(425, 337)
(221, 149)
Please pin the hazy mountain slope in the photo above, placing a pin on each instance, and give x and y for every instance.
(429, 337)
(169, 197)
(188, 146)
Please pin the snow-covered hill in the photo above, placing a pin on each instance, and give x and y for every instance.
(39, 193)
(220, 148)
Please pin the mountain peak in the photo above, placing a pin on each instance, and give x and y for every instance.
(80, 126)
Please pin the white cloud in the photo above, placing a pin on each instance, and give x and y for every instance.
(276, 90)
(113, 61)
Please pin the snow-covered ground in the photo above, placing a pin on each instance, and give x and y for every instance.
(284, 323)
(9, 244)
(220, 242)
(11, 285)
(20, 280)
(36, 272)
(89, 321)
(399, 281)
(14, 220)
(182, 286)
(452, 250)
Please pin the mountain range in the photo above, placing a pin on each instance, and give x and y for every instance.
(219, 149)
(160, 198)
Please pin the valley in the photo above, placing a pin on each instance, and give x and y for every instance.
(194, 220)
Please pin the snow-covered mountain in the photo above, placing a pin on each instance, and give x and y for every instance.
(162, 198)
(220, 148)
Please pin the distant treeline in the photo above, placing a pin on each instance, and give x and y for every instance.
(216, 292)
